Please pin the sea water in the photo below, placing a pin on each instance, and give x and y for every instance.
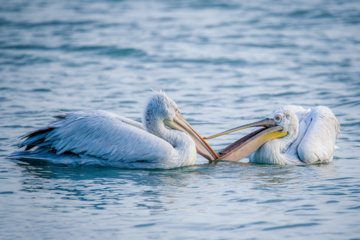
(225, 63)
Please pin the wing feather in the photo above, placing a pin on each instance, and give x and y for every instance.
(100, 134)
(320, 129)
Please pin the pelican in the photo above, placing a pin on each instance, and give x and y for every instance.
(291, 135)
(164, 140)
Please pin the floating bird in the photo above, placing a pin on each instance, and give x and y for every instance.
(164, 140)
(290, 135)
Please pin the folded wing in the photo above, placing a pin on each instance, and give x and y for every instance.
(320, 130)
(98, 134)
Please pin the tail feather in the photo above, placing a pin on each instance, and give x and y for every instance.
(37, 132)
(35, 138)
(38, 137)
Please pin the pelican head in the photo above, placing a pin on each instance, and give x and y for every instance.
(161, 112)
(285, 118)
(159, 106)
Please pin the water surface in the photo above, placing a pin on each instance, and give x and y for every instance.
(225, 63)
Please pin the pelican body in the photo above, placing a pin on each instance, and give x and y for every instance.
(164, 140)
(290, 135)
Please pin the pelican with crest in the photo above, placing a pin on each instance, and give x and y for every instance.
(164, 140)
(290, 135)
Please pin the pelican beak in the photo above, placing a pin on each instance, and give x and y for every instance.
(179, 123)
(267, 122)
(251, 142)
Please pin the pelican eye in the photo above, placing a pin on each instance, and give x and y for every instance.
(278, 118)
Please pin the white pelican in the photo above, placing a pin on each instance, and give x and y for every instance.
(292, 135)
(165, 140)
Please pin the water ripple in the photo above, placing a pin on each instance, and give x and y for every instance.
(291, 226)
(224, 63)
(110, 51)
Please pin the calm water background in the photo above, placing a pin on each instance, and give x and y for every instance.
(225, 63)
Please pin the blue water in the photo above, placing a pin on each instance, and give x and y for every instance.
(225, 63)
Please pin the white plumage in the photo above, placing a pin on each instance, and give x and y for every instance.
(106, 139)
